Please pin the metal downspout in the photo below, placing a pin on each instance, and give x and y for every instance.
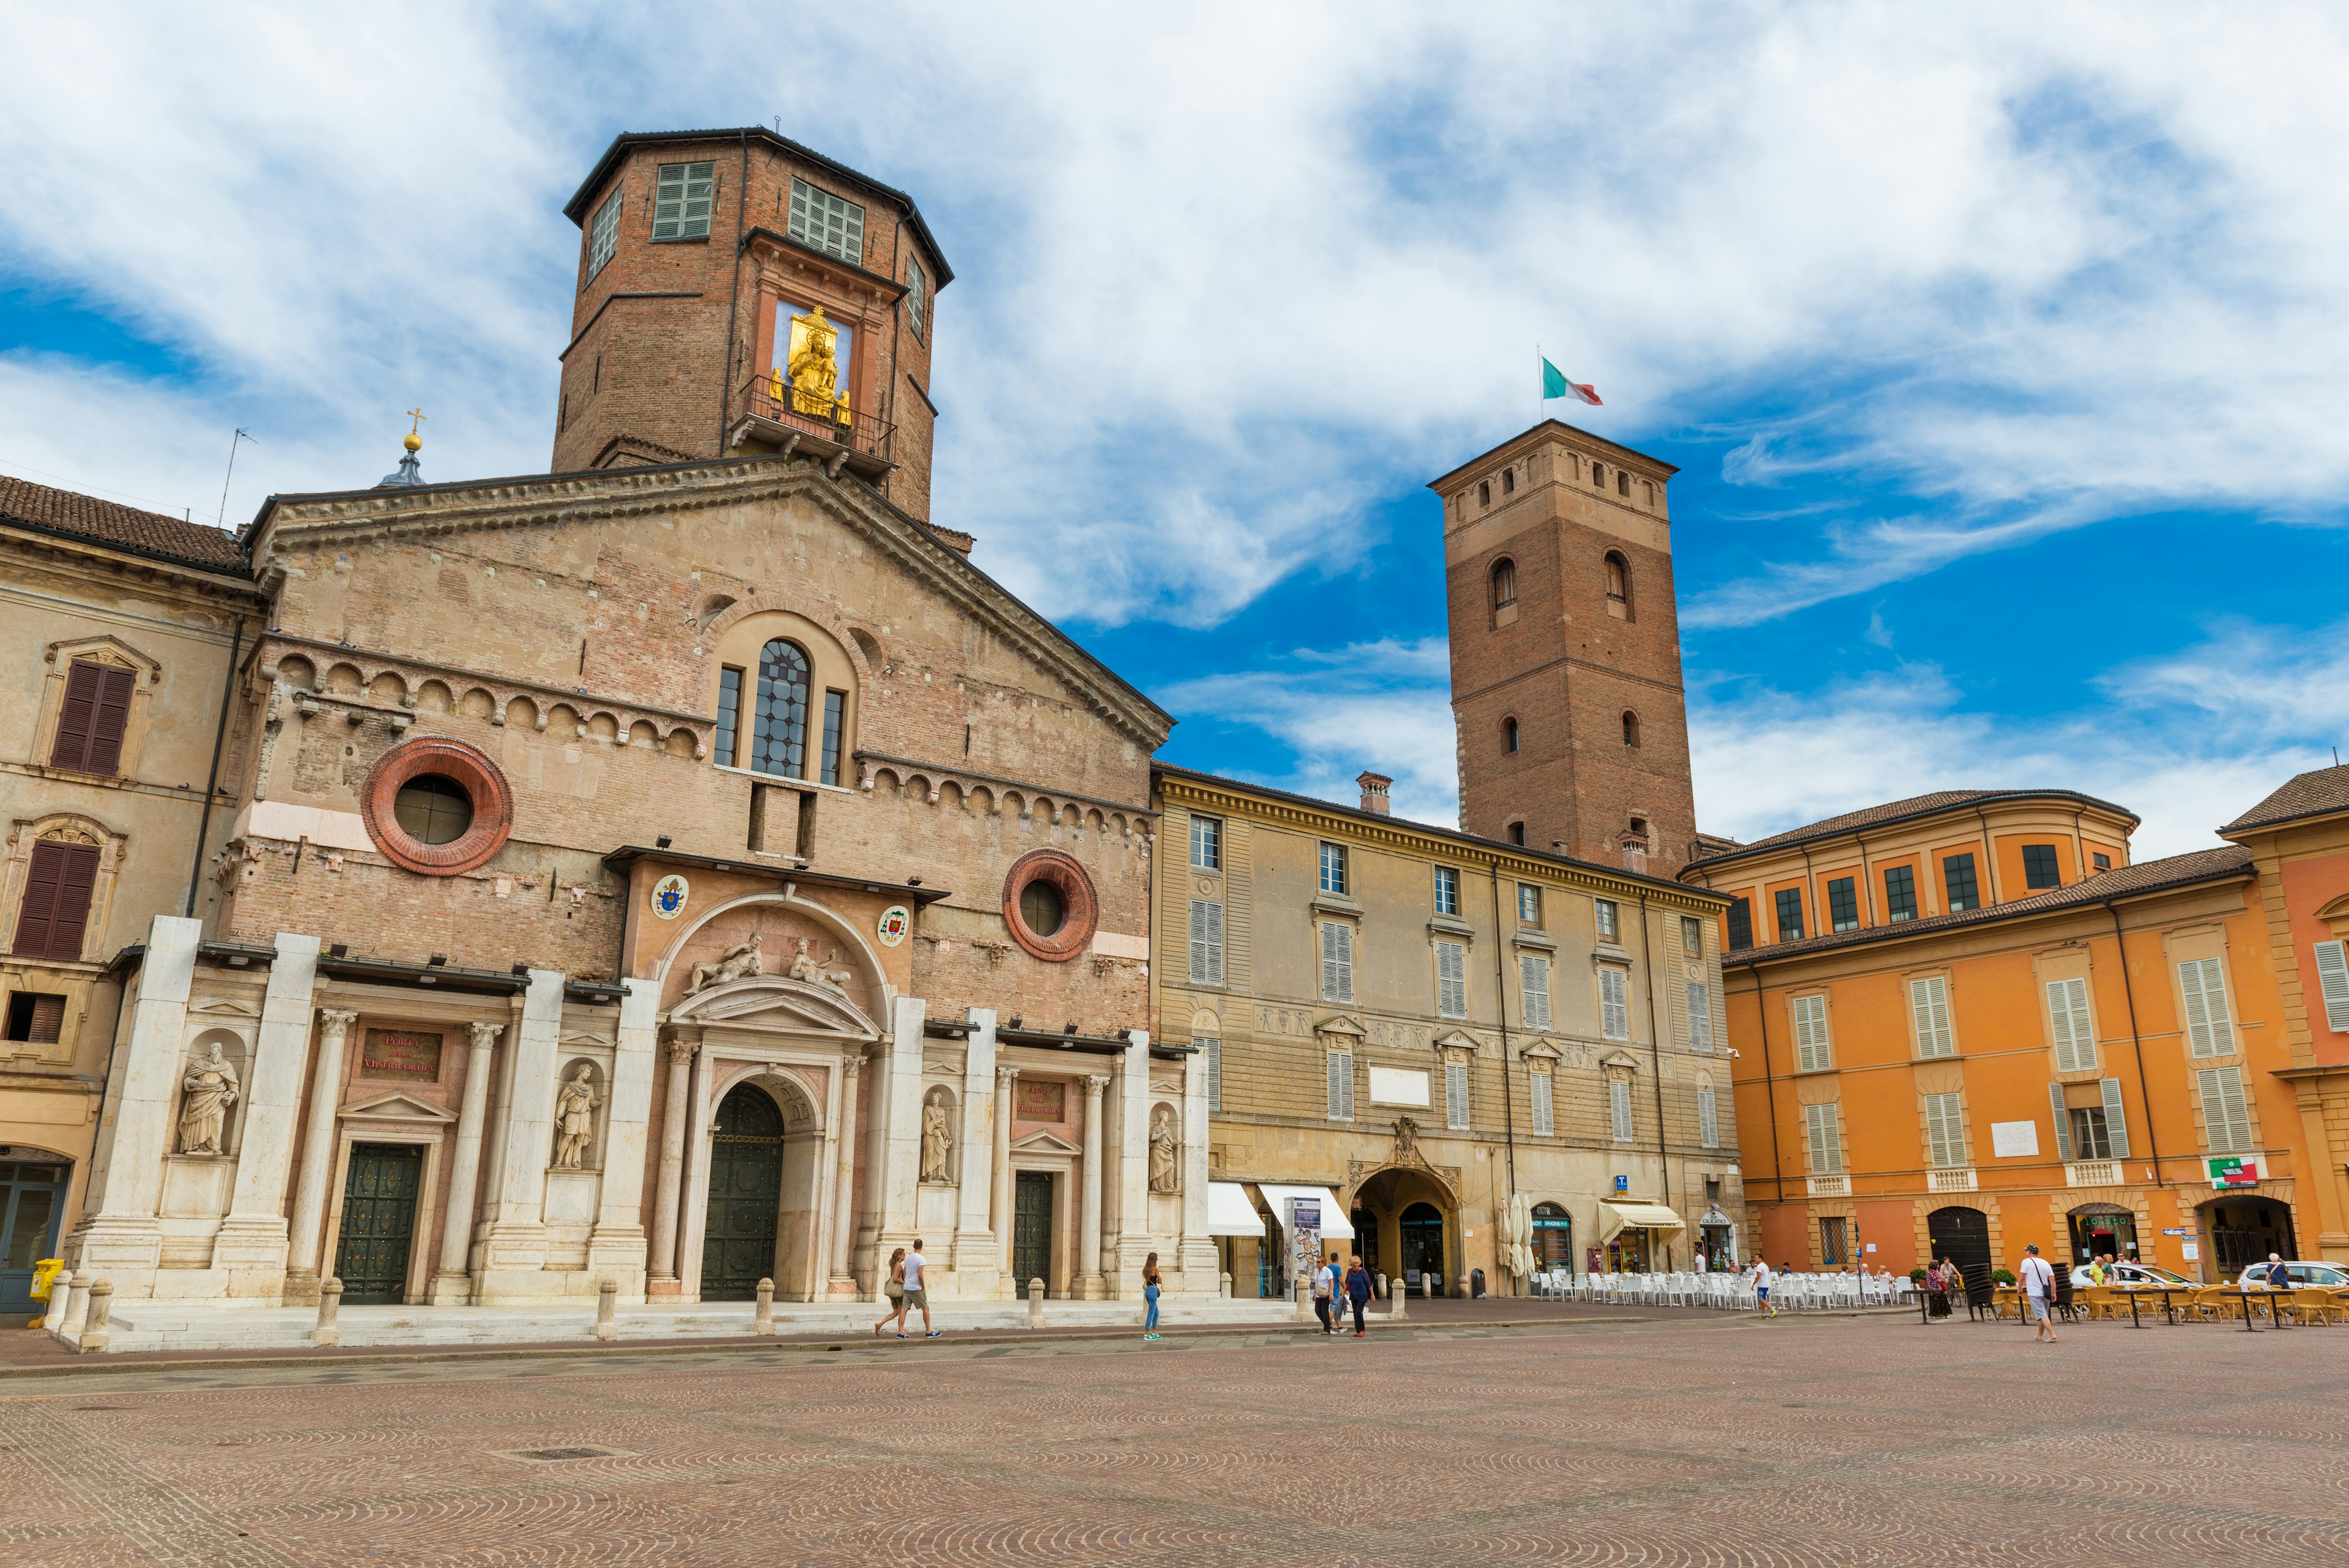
(2137, 1046)
(1655, 1055)
(1508, 1080)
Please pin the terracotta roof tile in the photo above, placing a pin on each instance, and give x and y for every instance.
(1891, 811)
(2145, 876)
(83, 516)
(2316, 794)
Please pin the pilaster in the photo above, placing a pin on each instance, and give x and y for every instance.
(1130, 1170)
(250, 1246)
(125, 1242)
(617, 1248)
(513, 1243)
(304, 1238)
(895, 1157)
(978, 1257)
(1196, 1258)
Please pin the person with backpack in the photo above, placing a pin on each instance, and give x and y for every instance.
(1358, 1292)
(2039, 1290)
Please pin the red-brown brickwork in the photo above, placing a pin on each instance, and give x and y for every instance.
(1582, 656)
(655, 373)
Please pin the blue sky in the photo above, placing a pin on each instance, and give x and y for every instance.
(2002, 353)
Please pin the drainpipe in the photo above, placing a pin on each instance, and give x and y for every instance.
(1508, 1082)
(2137, 1046)
(1769, 1080)
(734, 299)
(212, 780)
(1655, 1054)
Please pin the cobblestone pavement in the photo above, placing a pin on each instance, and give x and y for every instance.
(1867, 1440)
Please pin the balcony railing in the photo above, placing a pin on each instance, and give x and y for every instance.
(1950, 1180)
(786, 411)
(2094, 1173)
(1830, 1187)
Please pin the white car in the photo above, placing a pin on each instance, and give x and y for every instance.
(2303, 1275)
(2132, 1274)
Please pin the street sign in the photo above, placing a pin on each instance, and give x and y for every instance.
(2177, 1232)
(1622, 1184)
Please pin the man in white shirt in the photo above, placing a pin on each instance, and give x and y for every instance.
(2039, 1290)
(1325, 1294)
(1762, 1287)
(916, 1294)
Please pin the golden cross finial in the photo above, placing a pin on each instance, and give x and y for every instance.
(417, 414)
(414, 439)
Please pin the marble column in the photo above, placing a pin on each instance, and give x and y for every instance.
(977, 1258)
(617, 1249)
(303, 1239)
(513, 1243)
(1198, 1259)
(1005, 1078)
(1090, 1286)
(124, 1241)
(844, 1203)
(1130, 1168)
(693, 1199)
(895, 1160)
(251, 1247)
(452, 1284)
(683, 1042)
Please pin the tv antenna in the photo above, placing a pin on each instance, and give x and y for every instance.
(221, 520)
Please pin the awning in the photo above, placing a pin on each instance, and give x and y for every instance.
(1229, 1212)
(1614, 1218)
(1335, 1225)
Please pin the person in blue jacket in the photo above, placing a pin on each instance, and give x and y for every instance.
(1358, 1290)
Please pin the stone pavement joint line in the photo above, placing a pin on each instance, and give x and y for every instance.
(1819, 1444)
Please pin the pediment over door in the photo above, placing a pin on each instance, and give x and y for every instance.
(396, 1107)
(780, 1004)
(1044, 1143)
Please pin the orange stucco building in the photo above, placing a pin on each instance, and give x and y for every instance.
(1968, 1022)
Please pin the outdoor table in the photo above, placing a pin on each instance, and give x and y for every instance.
(2169, 1307)
(2243, 1295)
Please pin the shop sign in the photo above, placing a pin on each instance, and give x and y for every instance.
(2192, 1250)
(2228, 1171)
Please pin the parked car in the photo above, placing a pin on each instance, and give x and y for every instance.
(2315, 1276)
(2133, 1274)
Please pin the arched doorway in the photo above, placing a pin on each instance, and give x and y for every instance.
(746, 1193)
(2102, 1229)
(1963, 1236)
(2244, 1231)
(32, 1203)
(1421, 1229)
(1553, 1239)
(1399, 1217)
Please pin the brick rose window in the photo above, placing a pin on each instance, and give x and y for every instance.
(436, 807)
(1049, 904)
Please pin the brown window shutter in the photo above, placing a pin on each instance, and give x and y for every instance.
(111, 716)
(56, 900)
(83, 683)
(47, 1022)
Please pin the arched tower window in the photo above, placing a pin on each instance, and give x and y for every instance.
(1631, 728)
(1484, 492)
(1599, 475)
(1619, 585)
(1505, 582)
(778, 733)
(1509, 735)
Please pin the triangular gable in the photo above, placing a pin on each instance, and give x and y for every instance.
(1341, 1024)
(1622, 1059)
(1458, 1040)
(398, 1107)
(1043, 1142)
(776, 1002)
(223, 1007)
(1541, 1048)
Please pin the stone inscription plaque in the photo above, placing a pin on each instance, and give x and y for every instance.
(1036, 1101)
(400, 1053)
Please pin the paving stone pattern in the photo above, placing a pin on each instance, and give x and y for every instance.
(1740, 1442)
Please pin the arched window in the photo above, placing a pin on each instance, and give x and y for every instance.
(1510, 734)
(1631, 728)
(1505, 582)
(1508, 482)
(1484, 492)
(1599, 475)
(1622, 482)
(1517, 833)
(779, 732)
(1619, 585)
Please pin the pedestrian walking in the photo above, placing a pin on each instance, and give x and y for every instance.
(894, 1290)
(1939, 1279)
(2279, 1277)
(1762, 1287)
(2039, 1289)
(1150, 1297)
(916, 1294)
(1325, 1294)
(1700, 1259)
(1358, 1292)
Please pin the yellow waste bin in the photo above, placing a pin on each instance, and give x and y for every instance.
(45, 1274)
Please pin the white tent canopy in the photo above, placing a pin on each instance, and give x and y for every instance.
(1229, 1212)
(1336, 1225)
(1614, 1218)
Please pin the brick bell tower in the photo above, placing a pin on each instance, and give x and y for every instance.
(739, 292)
(1566, 655)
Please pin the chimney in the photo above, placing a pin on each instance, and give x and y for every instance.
(1375, 792)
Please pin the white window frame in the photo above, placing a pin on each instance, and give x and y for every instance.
(1813, 1045)
(1545, 1105)
(810, 221)
(1533, 990)
(2070, 1027)
(1447, 891)
(1823, 1138)
(1928, 1017)
(1945, 1130)
(1529, 905)
(1700, 1016)
(1457, 1111)
(1614, 1002)
(1340, 1086)
(603, 235)
(1618, 1108)
(2209, 1024)
(1608, 918)
(1333, 868)
(1451, 980)
(1206, 941)
(676, 197)
(1337, 961)
(1207, 837)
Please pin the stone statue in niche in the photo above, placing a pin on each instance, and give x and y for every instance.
(1165, 1152)
(805, 967)
(212, 1087)
(735, 964)
(937, 1136)
(575, 1117)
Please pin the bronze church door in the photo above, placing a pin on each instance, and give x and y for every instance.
(1032, 1230)
(378, 1222)
(746, 1192)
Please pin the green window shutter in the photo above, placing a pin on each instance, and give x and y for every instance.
(1545, 1122)
(1700, 1013)
(2069, 1026)
(2063, 1123)
(2332, 980)
(2116, 1118)
(2201, 982)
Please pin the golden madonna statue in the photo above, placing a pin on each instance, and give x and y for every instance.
(812, 372)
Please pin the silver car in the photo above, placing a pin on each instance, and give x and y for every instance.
(2318, 1276)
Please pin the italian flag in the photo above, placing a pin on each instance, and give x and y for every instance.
(1555, 384)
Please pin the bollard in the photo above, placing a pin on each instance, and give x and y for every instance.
(1399, 1304)
(607, 1296)
(76, 1307)
(763, 1319)
(1386, 1294)
(330, 1305)
(1035, 1303)
(60, 1293)
(101, 1306)
(1304, 1289)
(1223, 1283)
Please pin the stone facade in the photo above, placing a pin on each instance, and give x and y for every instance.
(1565, 656)
(1504, 1023)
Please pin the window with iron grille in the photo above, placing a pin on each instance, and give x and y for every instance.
(1447, 891)
(683, 200)
(1206, 941)
(603, 235)
(827, 222)
(1843, 904)
(1206, 843)
(1790, 914)
(1533, 984)
(1835, 1248)
(1900, 893)
(2039, 867)
(1452, 979)
(1957, 881)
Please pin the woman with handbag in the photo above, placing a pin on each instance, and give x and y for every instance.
(895, 1291)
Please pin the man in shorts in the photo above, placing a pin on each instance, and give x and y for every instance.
(1762, 1287)
(917, 1295)
(2039, 1290)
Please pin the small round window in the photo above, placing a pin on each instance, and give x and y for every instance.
(432, 809)
(1042, 908)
